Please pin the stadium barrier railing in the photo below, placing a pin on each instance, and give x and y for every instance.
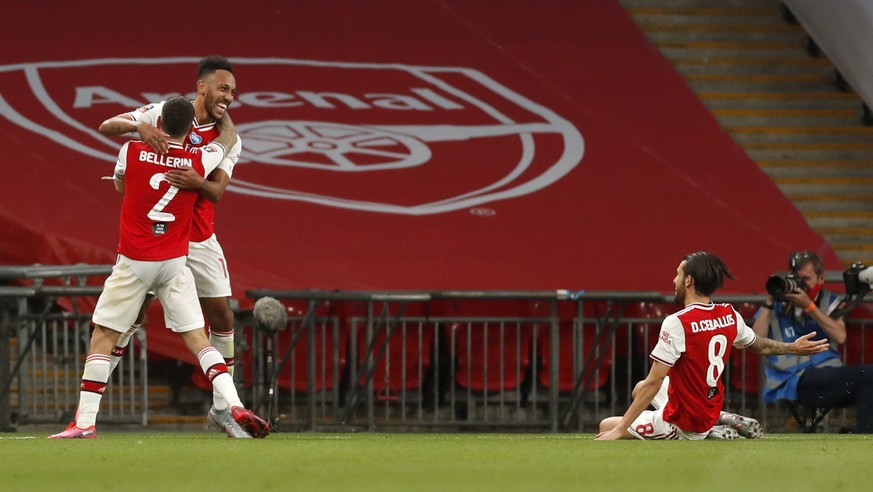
(452, 361)
(555, 361)
(45, 314)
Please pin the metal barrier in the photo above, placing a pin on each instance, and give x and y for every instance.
(449, 361)
(454, 361)
(45, 319)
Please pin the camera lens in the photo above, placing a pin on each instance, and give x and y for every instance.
(777, 286)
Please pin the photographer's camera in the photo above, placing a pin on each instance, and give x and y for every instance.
(777, 286)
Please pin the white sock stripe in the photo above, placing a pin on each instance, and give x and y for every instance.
(205, 351)
(221, 333)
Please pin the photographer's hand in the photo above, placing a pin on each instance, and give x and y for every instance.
(834, 329)
(799, 298)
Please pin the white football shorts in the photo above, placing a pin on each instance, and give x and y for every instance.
(207, 263)
(650, 425)
(660, 398)
(125, 290)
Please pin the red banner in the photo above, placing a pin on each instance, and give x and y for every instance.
(389, 145)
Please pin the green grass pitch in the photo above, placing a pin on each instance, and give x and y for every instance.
(165, 461)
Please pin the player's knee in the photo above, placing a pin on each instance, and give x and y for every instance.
(221, 322)
(219, 314)
(607, 424)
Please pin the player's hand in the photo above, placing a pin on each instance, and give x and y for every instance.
(153, 137)
(610, 435)
(227, 131)
(185, 178)
(804, 346)
(225, 124)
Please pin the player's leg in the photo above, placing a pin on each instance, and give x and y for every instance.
(94, 378)
(221, 335)
(182, 314)
(209, 267)
(213, 366)
(114, 313)
(650, 425)
(124, 340)
(609, 423)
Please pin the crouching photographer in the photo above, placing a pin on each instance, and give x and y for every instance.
(796, 305)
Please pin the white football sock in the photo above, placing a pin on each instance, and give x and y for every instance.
(94, 379)
(213, 366)
(223, 342)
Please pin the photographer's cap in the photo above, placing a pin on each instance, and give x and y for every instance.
(799, 258)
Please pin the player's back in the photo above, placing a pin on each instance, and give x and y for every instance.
(155, 216)
(203, 224)
(695, 379)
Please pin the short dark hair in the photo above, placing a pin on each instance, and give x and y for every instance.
(799, 259)
(707, 270)
(212, 63)
(177, 116)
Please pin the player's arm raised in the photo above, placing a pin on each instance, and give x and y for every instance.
(120, 168)
(802, 346)
(123, 123)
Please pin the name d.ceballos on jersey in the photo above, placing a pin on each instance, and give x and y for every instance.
(713, 324)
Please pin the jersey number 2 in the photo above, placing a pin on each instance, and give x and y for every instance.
(717, 348)
(156, 213)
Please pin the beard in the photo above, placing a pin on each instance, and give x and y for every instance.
(679, 295)
(210, 103)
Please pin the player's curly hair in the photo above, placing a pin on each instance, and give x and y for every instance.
(177, 115)
(212, 63)
(707, 270)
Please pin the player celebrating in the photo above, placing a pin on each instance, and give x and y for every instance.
(216, 89)
(155, 226)
(693, 347)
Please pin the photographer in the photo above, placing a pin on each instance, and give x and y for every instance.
(820, 379)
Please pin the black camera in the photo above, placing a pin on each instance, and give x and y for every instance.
(777, 286)
(858, 279)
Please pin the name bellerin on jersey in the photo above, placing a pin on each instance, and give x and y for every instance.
(164, 160)
(713, 324)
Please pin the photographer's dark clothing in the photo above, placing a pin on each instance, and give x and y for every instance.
(821, 379)
(840, 387)
(787, 324)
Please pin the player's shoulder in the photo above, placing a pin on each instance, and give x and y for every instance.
(673, 320)
(692, 309)
(149, 113)
(150, 107)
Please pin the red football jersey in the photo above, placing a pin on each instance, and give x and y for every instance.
(156, 217)
(203, 225)
(696, 342)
